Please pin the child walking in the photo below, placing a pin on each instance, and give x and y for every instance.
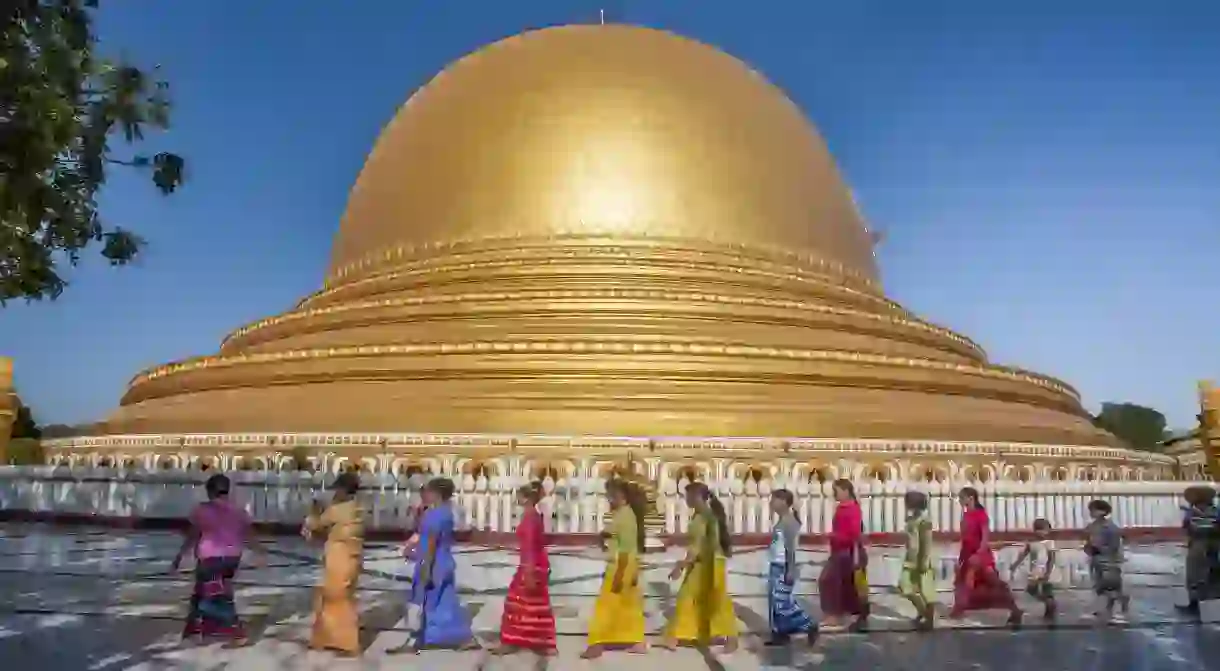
(1105, 550)
(917, 582)
(785, 616)
(1041, 555)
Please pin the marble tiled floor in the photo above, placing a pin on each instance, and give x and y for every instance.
(98, 600)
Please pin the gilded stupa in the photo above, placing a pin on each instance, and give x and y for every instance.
(603, 231)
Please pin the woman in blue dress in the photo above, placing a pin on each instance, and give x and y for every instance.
(443, 621)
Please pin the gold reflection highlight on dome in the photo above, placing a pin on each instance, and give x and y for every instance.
(617, 130)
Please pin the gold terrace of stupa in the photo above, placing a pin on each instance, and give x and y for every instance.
(597, 235)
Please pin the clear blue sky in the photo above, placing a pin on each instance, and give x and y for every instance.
(1047, 172)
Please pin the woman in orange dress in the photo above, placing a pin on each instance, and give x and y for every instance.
(528, 621)
(336, 623)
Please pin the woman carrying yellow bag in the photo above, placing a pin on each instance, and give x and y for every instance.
(860, 577)
(844, 581)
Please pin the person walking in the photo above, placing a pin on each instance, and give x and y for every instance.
(977, 584)
(1041, 555)
(1104, 546)
(336, 624)
(704, 612)
(618, 613)
(917, 582)
(1202, 528)
(843, 584)
(785, 617)
(443, 622)
(528, 621)
(219, 532)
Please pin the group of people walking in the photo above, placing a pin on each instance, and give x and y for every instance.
(704, 612)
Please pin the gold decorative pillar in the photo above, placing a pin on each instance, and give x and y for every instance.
(1209, 426)
(8, 406)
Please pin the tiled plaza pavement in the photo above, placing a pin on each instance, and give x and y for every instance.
(93, 600)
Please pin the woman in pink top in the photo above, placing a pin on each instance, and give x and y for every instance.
(219, 532)
(840, 595)
(976, 584)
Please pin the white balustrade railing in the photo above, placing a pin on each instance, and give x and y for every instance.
(577, 505)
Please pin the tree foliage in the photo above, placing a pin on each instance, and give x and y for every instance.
(24, 425)
(60, 108)
(51, 431)
(26, 452)
(1142, 428)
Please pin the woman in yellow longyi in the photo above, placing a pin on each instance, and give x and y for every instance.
(618, 614)
(704, 613)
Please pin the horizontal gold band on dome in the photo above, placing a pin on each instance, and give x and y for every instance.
(795, 447)
(602, 346)
(622, 294)
(604, 254)
(407, 252)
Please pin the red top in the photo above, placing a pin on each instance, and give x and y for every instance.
(975, 524)
(846, 527)
(531, 538)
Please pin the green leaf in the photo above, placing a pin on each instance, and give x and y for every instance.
(169, 172)
(120, 247)
(63, 105)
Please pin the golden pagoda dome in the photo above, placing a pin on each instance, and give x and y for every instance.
(608, 131)
(603, 231)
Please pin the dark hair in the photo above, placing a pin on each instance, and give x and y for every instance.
(532, 491)
(847, 486)
(972, 493)
(1100, 506)
(1042, 523)
(1200, 495)
(789, 500)
(616, 485)
(443, 487)
(722, 521)
(217, 485)
(636, 501)
(348, 483)
(914, 500)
